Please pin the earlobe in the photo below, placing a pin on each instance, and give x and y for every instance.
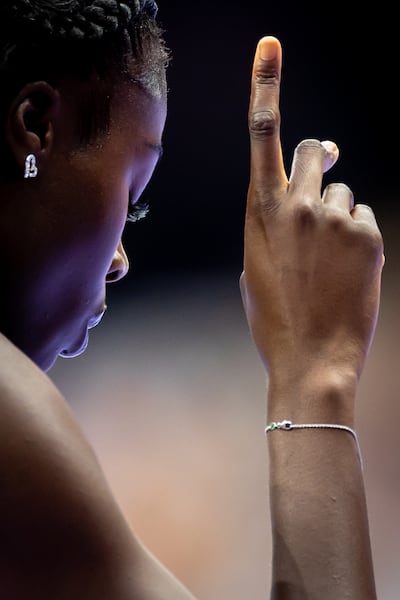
(29, 127)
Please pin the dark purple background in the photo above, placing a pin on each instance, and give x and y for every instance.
(339, 82)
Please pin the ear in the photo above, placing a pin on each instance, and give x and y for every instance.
(29, 126)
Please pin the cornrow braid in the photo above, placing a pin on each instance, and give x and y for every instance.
(74, 19)
(97, 41)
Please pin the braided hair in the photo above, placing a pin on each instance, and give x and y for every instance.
(52, 39)
(74, 19)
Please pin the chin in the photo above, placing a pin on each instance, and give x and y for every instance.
(75, 350)
(46, 359)
(70, 347)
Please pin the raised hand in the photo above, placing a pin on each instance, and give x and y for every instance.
(313, 258)
(311, 289)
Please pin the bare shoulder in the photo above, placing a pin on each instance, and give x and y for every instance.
(30, 404)
(36, 423)
(18, 374)
(43, 456)
(63, 535)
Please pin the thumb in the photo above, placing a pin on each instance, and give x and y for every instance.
(332, 154)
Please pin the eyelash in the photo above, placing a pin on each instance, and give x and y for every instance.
(138, 211)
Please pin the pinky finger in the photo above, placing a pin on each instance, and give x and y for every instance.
(364, 216)
(363, 212)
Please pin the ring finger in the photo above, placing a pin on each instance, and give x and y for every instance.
(338, 195)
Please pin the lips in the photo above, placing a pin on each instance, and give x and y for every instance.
(95, 320)
(82, 345)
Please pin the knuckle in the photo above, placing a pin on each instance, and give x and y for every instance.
(268, 75)
(365, 208)
(336, 218)
(310, 146)
(305, 214)
(263, 123)
(368, 227)
(340, 188)
(376, 241)
(370, 237)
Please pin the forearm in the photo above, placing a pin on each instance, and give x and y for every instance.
(321, 545)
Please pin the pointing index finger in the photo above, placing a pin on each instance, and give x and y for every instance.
(267, 168)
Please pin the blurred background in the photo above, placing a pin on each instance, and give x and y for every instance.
(171, 391)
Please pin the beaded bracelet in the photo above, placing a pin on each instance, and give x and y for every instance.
(287, 425)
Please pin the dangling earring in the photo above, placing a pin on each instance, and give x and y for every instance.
(31, 169)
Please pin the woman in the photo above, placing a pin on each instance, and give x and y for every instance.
(83, 108)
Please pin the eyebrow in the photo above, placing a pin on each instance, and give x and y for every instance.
(157, 148)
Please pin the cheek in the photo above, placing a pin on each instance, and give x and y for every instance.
(92, 227)
(105, 233)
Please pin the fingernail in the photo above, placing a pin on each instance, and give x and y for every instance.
(268, 48)
(331, 156)
(330, 146)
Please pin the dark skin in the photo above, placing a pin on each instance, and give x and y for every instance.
(307, 252)
(74, 212)
(57, 262)
(57, 495)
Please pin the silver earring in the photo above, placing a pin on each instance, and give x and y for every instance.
(31, 169)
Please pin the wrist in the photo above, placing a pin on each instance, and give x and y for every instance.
(318, 394)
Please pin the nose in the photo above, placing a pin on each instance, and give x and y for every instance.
(119, 266)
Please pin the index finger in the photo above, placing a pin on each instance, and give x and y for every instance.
(267, 168)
